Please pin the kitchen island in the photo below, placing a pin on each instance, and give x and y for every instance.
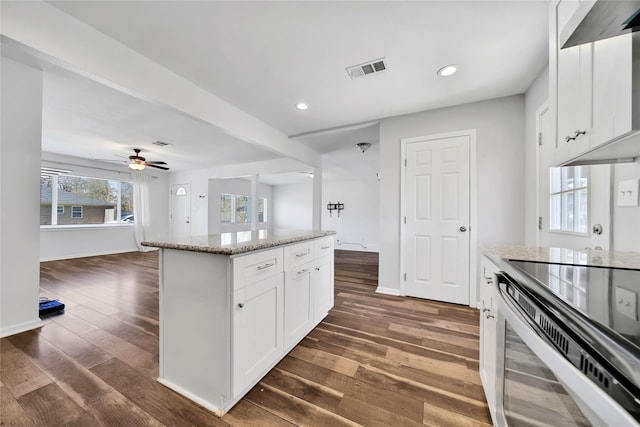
(232, 305)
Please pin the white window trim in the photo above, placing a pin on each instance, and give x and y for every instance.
(54, 207)
(560, 231)
(73, 215)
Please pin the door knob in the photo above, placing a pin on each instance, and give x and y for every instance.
(463, 228)
(597, 229)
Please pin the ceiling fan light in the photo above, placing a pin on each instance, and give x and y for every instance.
(363, 146)
(137, 166)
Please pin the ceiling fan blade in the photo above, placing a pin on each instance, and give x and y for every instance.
(157, 167)
(156, 163)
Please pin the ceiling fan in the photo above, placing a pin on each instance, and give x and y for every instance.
(138, 163)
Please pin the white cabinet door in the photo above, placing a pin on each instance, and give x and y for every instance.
(298, 305)
(612, 88)
(574, 101)
(488, 325)
(257, 330)
(322, 285)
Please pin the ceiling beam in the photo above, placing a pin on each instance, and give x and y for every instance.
(71, 44)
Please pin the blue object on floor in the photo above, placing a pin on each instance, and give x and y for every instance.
(50, 307)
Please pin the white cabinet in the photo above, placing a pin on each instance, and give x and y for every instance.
(322, 283)
(593, 88)
(298, 302)
(226, 320)
(488, 326)
(256, 349)
(574, 101)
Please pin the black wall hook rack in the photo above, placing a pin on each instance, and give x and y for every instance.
(335, 207)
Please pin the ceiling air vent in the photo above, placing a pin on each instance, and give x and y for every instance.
(367, 68)
(161, 143)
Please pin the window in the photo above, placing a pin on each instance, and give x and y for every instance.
(569, 199)
(226, 201)
(76, 211)
(90, 200)
(262, 210)
(243, 208)
(236, 208)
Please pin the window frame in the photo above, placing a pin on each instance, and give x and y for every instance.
(73, 212)
(54, 204)
(586, 174)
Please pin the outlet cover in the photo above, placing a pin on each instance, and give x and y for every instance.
(628, 192)
(626, 302)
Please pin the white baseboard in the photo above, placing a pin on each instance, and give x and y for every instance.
(84, 255)
(388, 291)
(21, 327)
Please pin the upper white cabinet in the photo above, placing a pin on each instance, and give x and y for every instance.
(593, 84)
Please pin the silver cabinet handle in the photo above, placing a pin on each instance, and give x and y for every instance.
(301, 272)
(490, 316)
(325, 247)
(267, 265)
(240, 305)
(301, 254)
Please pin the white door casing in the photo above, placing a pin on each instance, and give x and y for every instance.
(436, 219)
(180, 210)
(544, 157)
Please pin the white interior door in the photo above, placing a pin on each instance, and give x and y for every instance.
(180, 210)
(437, 219)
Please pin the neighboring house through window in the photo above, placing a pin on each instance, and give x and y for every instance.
(76, 200)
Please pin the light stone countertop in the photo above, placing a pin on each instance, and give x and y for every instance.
(629, 260)
(238, 242)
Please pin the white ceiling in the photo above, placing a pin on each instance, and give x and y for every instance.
(265, 56)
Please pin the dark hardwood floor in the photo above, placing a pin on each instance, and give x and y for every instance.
(376, 360)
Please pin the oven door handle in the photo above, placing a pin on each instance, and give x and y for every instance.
(594, 403)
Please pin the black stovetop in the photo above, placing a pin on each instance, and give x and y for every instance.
(605, 296)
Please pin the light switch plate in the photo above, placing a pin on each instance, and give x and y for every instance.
(628, 192)
(626, 302)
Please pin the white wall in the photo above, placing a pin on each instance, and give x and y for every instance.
(20, 140)
(535, 97)
(75, 242)
(235, 186)
(293, 206)
(358, 222)
(625, 219)
(500, 173)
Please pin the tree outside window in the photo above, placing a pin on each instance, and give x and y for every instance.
(243, 208)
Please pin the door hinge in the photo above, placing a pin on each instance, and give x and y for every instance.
(405, 219)
(405, 276)
(539, 138)
(539, 223)
(405, 163)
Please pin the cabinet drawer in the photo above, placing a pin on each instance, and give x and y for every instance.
(251, 268)
(323, 247)
(298, 254)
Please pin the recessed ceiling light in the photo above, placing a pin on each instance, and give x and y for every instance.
(302, 106)
(447, 70)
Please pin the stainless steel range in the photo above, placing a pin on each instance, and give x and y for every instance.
(570, 339)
